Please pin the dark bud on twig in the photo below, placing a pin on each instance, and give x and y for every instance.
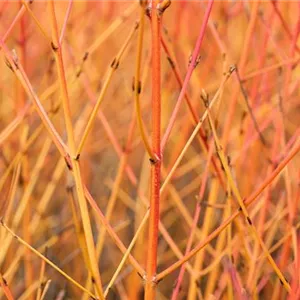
(54, 47)
(152, 161)
(249, 221)
(197, 61)
(171, 62)
(67, 161)
(162, 6)
(137, 24)
(132, 84)
(204, 96)
(9, 64)
(232, 69)
(139, 87)
(115, 63)
(85, 57)
(78, 73)
(140, 275)
(148, 10)
(4, 281)
(190, 59)
(281, 282)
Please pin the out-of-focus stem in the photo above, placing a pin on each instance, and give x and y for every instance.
(113, 67)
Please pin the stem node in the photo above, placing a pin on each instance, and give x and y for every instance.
(54, 47)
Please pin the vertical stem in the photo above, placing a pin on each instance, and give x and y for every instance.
(86, 222)
(21, 100)
(137, 82)
(150, 289)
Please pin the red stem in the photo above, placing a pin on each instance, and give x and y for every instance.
(188, 75)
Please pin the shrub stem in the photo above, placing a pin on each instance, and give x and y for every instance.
(150, 288)
(56, 46)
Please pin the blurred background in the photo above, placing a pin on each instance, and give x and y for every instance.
(256, 119)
